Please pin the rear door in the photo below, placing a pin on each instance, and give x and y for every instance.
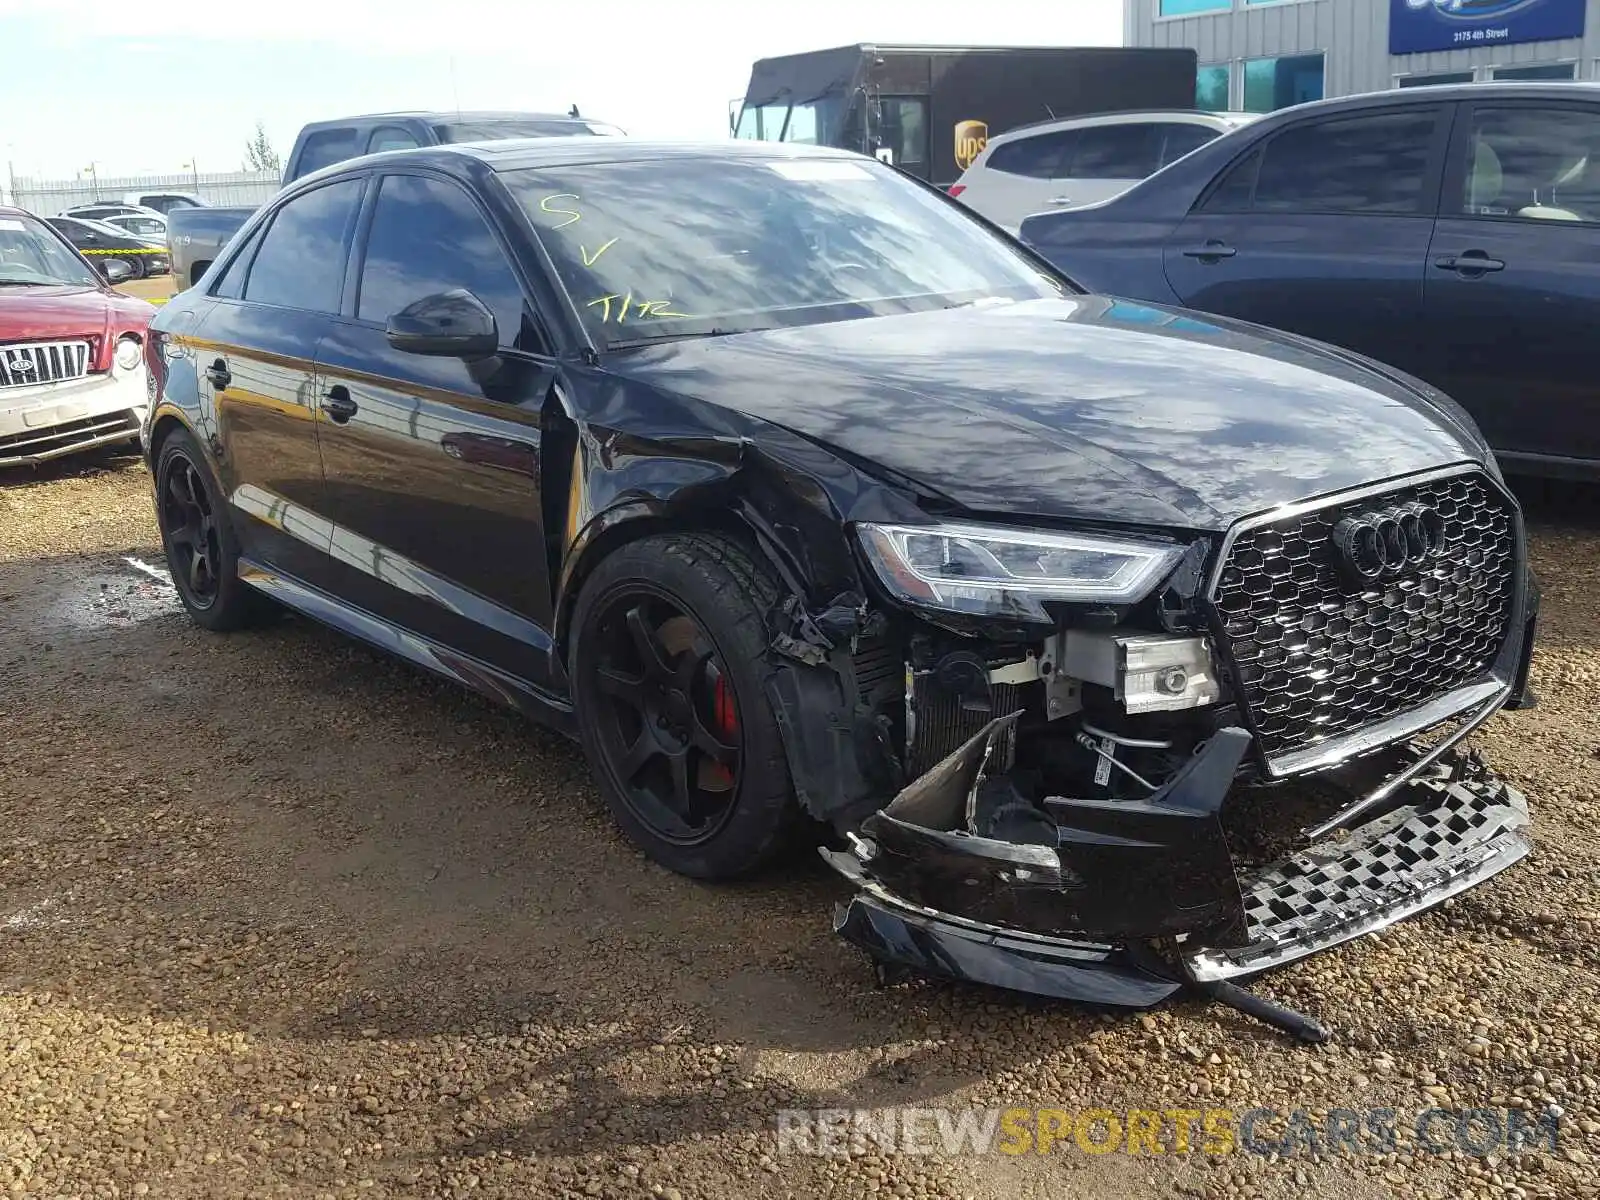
(1512, 296)
(274, 303)
(1322, 229)
(432, 465)
(1017, 177)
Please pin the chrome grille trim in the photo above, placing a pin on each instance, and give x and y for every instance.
(1316, 664)
(25, 364)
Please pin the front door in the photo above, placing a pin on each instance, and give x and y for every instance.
(431, 465)
(1513, 284)
(1322, 231)
(276, 300)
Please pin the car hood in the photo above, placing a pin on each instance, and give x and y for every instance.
(1086, 408)
(44, 314)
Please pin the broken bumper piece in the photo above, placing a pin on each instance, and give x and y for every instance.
(944, 901)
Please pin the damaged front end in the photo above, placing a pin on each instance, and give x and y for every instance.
(1253, 762)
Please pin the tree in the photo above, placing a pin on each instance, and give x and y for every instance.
(259, 154)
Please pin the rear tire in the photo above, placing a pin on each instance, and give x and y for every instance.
(669, 638)
(201, 547)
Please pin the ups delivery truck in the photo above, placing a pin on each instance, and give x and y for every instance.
(930, 109)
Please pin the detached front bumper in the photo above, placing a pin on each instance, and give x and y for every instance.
(1055, 921)
(41, 423)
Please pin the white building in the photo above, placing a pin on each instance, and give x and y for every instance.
(1259, 55)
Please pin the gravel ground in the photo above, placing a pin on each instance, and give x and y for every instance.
(281, 917)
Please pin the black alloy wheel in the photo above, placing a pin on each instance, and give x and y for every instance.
(202, 550)
(667, 663)
(667, 718)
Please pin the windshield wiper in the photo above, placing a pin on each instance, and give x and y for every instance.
(657, 338)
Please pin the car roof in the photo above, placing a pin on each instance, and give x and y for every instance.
(454, 117)
(511, 154)
(1125, 116)
(1449, 93)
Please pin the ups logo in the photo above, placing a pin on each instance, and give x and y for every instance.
(971, 138)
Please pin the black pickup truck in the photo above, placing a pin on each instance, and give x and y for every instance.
(195, 236)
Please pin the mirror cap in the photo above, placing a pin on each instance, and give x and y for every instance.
(453, 324)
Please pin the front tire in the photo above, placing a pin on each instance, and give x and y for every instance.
(669, 638)
(201, 547)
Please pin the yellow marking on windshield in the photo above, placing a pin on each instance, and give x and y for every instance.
(544, 206)
(641, 308)
(590, 259)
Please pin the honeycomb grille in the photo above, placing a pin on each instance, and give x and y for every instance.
(1317, 657)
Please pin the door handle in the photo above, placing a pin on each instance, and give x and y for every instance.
(1472, 263)
(218, 375)
(1210, 252)
(337, 404)
(1059, 200)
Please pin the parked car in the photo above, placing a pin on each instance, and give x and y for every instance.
(1082, 159)
(790, 488)
(140, 225)
(1444, 231)
(195, 237)
(101, 209)
(165, 202)
(143, 256)
(72, 375)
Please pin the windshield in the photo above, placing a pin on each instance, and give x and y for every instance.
(810, 124)
(488, 131)
(695, 246)
(30, 253)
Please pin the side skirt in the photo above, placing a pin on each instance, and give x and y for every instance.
(480, 677)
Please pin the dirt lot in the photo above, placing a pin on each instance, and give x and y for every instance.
(281, 917)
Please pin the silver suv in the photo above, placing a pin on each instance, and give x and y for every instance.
(1081, 160)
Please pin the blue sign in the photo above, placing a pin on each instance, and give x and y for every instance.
(1419, 25)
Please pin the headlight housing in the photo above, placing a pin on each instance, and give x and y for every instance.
(988, 570)
(129, 354)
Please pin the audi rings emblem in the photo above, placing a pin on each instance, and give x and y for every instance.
(1376, 546)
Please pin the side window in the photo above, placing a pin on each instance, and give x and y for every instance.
(1233, 190)
(1178, 140)
(231, 285)
(1536, 163)
(390, 137)
(324, 148)
(1038, 157)
(1114, 152)
(301, 260)
(427, 236)
(1366, 164)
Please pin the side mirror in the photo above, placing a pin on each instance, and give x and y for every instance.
(453, 324)
(117, 271)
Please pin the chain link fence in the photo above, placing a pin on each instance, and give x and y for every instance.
(46, 197)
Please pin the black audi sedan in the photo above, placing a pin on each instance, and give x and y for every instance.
(106, 244)
(1091, 638)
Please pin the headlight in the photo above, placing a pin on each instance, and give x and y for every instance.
(129, 354)
(992, 571)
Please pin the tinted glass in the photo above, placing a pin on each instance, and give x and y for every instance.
(1435, 80)
(231, 285)
(1182, 8)
(1233, 191)
(1274, 83)
(903, 127)
(1115, 152)
(1178, 140)
(1540, 163)
(30, 253)
(1539, 71)
(1038, 157)
(301, 260)
(1375, 164)
(326, 148)
(427, 237)
(696, 246)
(389, 137)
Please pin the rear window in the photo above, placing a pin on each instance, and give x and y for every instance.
(488, 131)
(326, 147)
(1039, 156)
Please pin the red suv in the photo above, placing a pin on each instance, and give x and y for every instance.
(72, 371)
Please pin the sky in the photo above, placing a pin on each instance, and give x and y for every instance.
(133, 88)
